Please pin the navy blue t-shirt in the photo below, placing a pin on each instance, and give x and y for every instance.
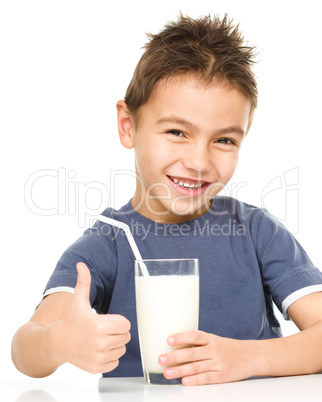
(247, 261)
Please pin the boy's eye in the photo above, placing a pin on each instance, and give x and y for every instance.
(177, 133)
(225, 141)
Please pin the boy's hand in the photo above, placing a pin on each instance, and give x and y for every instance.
(90, 341)
(212, 360)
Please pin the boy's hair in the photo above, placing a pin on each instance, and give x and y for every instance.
(208, 47)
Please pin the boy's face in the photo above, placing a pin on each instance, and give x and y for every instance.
(186, 143)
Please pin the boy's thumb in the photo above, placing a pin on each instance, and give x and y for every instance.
(83, 285)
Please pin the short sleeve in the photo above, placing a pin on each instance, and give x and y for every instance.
(98, 252)
(287, 271)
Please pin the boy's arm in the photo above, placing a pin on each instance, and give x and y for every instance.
(65, 329)
(216, 359)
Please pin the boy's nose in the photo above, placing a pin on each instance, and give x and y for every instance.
(197, 158)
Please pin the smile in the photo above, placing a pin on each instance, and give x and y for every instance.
(187, 184)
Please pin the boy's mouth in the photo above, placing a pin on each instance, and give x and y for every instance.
(188, 184)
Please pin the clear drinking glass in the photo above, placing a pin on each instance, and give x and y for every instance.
(167, 301)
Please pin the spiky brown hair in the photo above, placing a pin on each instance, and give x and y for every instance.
(208, 47)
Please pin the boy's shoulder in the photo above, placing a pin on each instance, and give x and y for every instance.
(232, 206)
(260, 222)
(119, 213)
(252, 216)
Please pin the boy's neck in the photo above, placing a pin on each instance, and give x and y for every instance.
(151, 212)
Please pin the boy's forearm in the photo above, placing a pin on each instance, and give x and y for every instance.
(30, 351)
(292, 355)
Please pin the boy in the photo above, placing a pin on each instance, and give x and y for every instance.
(186, 112)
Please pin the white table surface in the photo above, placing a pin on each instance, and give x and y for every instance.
(286, 389)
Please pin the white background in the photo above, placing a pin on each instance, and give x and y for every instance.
(64, 65)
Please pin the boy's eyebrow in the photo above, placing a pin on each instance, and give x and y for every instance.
(176, 120)
(189, 125)
(234, 129)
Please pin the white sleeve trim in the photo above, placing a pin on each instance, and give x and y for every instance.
(55, 290)
(297, 295)
(59, 289)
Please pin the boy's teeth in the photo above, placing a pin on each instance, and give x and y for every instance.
(186, 185)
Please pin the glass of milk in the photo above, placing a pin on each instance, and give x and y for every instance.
(167, 301)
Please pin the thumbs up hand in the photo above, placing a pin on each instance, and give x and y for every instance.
(89, 341)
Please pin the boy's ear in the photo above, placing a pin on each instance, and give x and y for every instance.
(125, 125)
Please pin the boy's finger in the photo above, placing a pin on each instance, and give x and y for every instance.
(184, 355)
(189, 369)
(83, 285)
(188, 337)
(115, 324)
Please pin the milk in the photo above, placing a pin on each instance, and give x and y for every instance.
(165, 305)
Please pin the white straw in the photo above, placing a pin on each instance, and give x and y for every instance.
(129, 237)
